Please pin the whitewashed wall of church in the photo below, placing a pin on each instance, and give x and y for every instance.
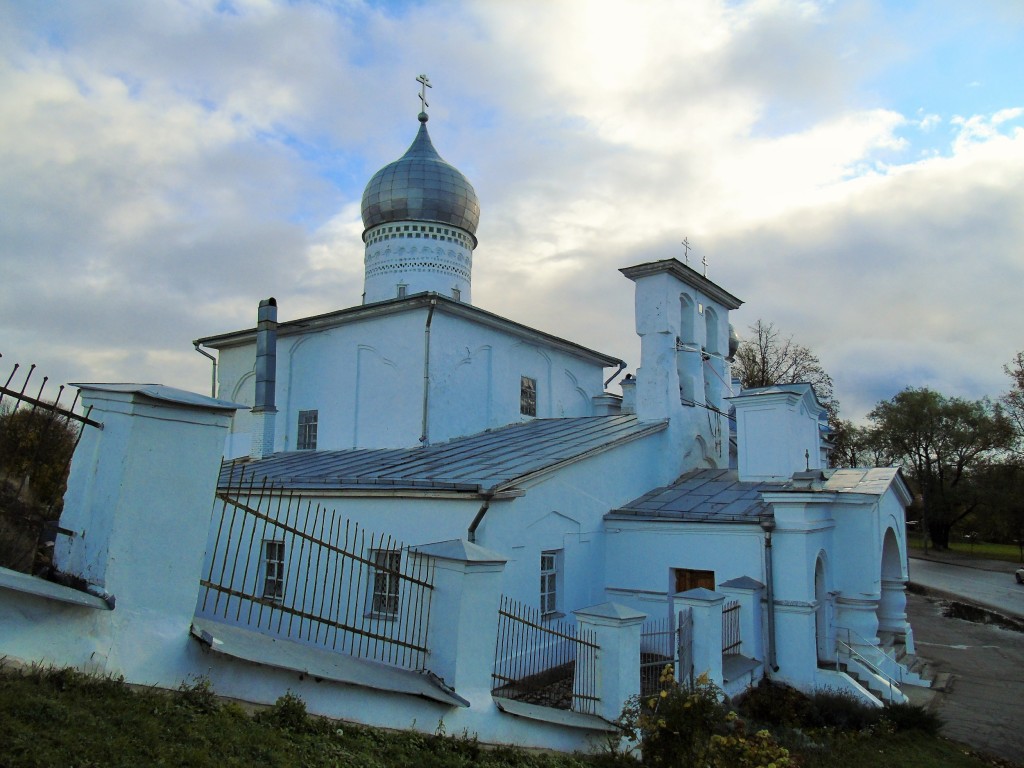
(564, 513)
(641, 556)
(365, 379)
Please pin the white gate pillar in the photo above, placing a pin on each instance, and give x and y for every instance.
(747, 592)
(138, 504)
(616, 630)
(464, 615)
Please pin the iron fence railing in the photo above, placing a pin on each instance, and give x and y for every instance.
(282, 565)
(731, 640)
(657, 650)
(543, 661)
(39, 432)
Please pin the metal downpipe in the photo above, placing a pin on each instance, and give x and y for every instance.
(425, 433)
(212, 359)
(768, 526)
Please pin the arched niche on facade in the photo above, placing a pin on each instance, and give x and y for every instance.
(714, 368)
(892, 602)
(688, 358)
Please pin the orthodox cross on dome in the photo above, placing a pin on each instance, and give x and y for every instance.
(704, 261)
(424, 82)
(686, 249)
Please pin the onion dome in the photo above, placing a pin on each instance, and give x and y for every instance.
(420, 186)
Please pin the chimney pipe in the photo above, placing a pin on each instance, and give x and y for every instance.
(265, 411)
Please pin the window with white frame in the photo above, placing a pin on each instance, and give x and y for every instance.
(387, 565)
(305, 439)
(549, 566)
(273, 569)
(527, 396)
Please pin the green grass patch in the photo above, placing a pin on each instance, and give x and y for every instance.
(981, 550)
(65, 718)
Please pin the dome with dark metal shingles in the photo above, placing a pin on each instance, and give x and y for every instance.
(420, 186)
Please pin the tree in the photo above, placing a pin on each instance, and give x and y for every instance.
(1013, 401)
(35, 450)
(768, 358)
(943, 444)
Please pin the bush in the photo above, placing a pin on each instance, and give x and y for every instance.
(683, 726)
(912, 717)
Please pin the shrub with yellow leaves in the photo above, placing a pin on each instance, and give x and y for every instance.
(689, 725)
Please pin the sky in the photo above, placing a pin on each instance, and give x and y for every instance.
(853, 171)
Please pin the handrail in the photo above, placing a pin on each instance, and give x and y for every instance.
(853, 653)
(852, 635)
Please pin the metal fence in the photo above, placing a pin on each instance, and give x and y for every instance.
(542, 661)
(282, 565)
(731, 640)
(38, 435)
(663, 642)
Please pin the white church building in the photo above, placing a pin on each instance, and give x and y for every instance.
(442, 448)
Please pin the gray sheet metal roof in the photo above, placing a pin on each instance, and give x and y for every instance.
(870, 480)
(489, 461)
(718, 496)
(165, 394)
(703, 495)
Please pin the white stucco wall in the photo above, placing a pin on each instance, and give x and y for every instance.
(365, 379)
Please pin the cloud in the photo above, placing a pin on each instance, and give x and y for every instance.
(168, 165)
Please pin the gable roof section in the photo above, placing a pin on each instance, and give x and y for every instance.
(702, 496)
(411, 303)
(718, 496)
(488, 462)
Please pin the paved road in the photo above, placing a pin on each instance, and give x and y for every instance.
(981, 703)
(983, 582)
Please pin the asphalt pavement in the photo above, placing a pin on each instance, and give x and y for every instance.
(979, 676)
(978, 666)
(988, 583)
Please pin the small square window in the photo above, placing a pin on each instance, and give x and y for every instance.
(305, 440)
(273, 570)
(527, 396)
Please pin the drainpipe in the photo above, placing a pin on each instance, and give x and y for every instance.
(471, 533)
(212, 359)
(622, 367)
(768, 526)
(425, 434)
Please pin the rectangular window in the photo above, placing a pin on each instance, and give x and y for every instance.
(386, 567)
(401, 291)
(305, 440)
(689, 578)
(549, 582)
(527, 396)
(456, 294)
(273, 570)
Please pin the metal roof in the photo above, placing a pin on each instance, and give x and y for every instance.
(703, 495)
(420, 186)
(165, 394)
(490, 461)
(718, 496)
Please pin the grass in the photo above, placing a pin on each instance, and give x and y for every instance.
(982, 550)
(61, 717)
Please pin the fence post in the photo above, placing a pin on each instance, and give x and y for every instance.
(139, 500)
(463, 615)
(616, 629)
(706, 608)
(747, 592)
